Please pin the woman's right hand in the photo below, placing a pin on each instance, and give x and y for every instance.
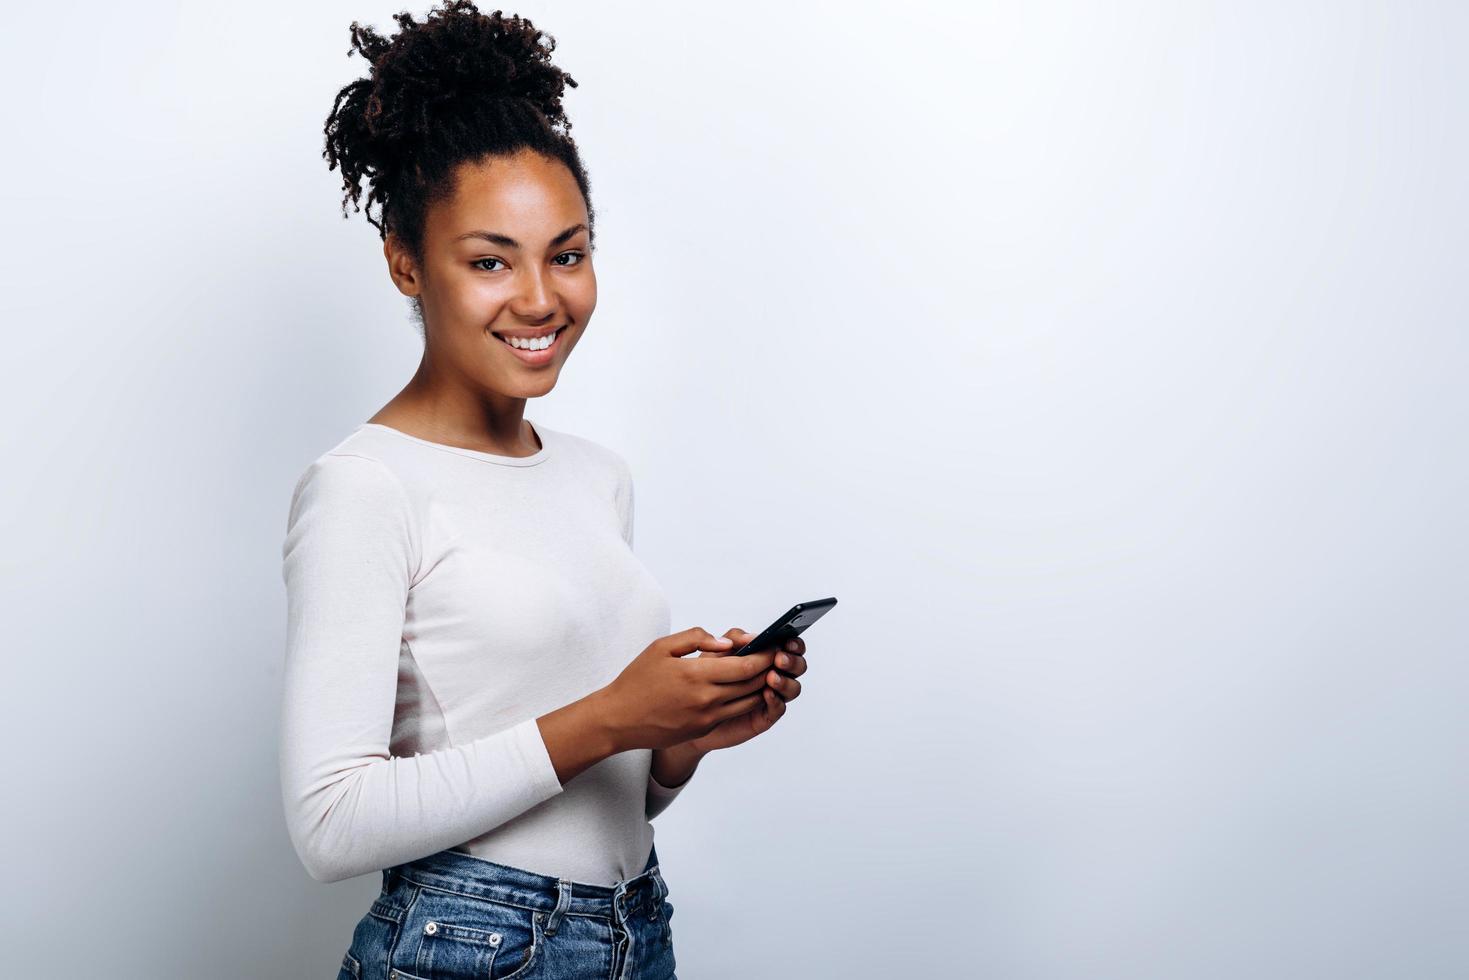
(662, 699)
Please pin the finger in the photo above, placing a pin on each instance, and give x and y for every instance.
(764, 716)
(774, 707)
(728, 692)
(740, 637)
(790, 663)
(694, 638)
(737, 707)
(787, 687)
(794, 645)
(725, 670)
(737, 638)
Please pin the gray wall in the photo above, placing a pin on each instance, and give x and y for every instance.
(1106, 362)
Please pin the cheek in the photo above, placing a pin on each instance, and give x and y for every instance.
(480, 301)
(583, 295)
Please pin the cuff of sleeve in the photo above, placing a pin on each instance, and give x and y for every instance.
(660, 796)
(659, 789)
(532, 746)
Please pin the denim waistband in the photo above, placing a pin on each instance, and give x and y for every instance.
(463, 874)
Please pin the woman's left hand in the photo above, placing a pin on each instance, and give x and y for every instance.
(781, 687)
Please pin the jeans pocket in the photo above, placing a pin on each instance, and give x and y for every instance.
(459, 936)
(374, 934)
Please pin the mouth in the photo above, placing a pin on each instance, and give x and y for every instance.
(539, 349)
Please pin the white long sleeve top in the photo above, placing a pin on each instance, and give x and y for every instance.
(439, 600)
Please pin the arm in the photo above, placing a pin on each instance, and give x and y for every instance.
(350, 552)
(672, 768)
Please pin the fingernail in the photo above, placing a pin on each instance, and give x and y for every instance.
(783, 660)
(722, 639)
(791, 646)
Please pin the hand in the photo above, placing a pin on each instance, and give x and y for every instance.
(662, 699)
(781, 688)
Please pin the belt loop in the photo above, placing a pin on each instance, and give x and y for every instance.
(660, 891)
(563, 902)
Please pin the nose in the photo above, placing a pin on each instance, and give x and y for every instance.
(534, 299)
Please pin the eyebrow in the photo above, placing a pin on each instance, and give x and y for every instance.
(505, 241)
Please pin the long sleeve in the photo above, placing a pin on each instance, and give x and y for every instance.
(351, 551)
(658, 796)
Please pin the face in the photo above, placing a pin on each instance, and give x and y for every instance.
(507, 255)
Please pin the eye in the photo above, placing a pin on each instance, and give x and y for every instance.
(476, 264)
(564, 255)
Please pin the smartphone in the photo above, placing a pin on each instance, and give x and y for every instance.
(793, 623)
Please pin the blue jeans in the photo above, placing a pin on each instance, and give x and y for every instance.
(449, 916)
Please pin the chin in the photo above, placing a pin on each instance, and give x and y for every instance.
(534, 387)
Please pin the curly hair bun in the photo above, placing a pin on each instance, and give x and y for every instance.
(458, 55)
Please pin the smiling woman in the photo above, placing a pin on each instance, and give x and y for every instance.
(466, 709)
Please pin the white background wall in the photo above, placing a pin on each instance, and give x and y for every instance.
(1106, 362)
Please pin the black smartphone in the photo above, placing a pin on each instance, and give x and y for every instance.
(793, 623)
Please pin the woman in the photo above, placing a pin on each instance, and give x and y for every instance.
(465, 706)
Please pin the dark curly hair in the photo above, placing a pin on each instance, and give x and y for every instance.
(459, 87)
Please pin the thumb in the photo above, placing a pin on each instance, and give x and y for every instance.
(694, 638)
(737, 638)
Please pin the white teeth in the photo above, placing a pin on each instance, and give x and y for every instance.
(540, 343)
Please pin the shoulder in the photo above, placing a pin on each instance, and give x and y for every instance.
(349, 506)
(353, 475)
(591, 454)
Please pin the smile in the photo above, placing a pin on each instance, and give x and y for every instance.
(538, 351)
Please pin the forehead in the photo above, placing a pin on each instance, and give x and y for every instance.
(527, 196)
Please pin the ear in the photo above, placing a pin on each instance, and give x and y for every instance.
(401, 268)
